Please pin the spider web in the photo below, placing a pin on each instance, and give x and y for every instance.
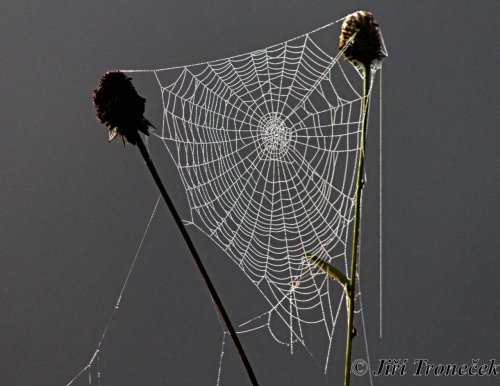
(266, 145)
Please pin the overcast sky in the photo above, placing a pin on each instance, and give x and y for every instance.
(73, 207)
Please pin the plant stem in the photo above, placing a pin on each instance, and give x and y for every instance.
(357, 217)
(196, 257)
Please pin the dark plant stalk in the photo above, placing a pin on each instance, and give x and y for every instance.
(121, 109)
(351, 293)
(362, 43)
(196, 257)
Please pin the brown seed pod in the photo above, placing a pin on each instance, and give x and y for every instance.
(119, 107)
(366, 47)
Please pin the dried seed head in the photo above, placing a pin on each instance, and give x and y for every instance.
(119, 107)
(367, 45)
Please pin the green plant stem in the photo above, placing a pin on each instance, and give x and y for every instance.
(351, 293)
(197, 259)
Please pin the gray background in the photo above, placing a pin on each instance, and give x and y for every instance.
(73, 207)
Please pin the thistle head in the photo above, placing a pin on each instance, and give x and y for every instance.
(119, 107)
(366, 46)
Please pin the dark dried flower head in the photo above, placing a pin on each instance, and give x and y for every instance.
(119, 107)
(367, 46)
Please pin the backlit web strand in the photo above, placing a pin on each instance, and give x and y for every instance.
(266, 146)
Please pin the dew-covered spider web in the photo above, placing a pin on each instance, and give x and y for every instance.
(266, 145)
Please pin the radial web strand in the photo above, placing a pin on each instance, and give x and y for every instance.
(266, 146)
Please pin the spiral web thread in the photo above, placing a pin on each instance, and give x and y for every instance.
(266, 144)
